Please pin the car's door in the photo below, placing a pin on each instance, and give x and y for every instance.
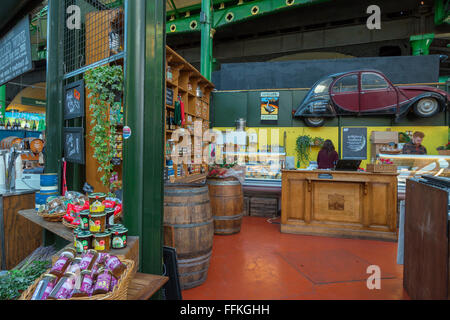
(345, 94)
(377, 95)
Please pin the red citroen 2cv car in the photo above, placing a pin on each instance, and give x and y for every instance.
(367, 92)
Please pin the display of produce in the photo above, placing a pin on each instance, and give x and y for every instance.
(75, 210)
(87, 275)
(222, 171)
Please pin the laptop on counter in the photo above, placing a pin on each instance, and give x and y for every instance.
(347, 165)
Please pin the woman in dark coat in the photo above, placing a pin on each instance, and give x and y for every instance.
(327, 157)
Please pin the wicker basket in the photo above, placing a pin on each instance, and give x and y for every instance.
(55, 217)
(68, 224)
(120, 291)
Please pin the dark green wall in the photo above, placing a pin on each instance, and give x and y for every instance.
(228, 106)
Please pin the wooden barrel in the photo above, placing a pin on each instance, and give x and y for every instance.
(187, 213)
(8, 142)
(36, 145)
(227, 205)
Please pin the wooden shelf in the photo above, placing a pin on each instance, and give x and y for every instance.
(170, 83)
(185, 76)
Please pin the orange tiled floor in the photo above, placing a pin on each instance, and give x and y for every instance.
(262, 263)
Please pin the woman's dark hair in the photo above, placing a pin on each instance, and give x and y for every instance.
(329, 146)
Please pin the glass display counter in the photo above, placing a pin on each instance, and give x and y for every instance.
(261, 165)
(416, 166)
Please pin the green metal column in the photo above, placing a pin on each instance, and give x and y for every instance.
(54, 110)
(206, 40)
(144, 113)
(2, 102)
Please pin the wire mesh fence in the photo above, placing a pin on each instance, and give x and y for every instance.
(94, 31)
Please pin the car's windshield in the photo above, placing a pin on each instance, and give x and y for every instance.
(322, 86)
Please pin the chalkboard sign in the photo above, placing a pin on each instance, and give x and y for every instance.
(15, 52)
(74, 145)
(74, 100)
(354, 144)
(169, 97)
(172, 289)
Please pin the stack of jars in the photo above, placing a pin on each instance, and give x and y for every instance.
(91, 274)
(97, 229)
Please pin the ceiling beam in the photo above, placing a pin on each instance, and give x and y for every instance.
(236, 13)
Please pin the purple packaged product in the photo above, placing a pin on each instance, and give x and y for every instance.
(87, 259)
(102, 257)
(75, 267)
(103, 282)
(86, 285)
(113, 283)
(48, 290)
(66, 289)
(48, 280)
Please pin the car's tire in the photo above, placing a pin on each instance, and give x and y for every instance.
(426, 107)
(314, 121)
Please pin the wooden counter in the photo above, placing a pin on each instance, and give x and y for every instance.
(18, 236)
(339, 204)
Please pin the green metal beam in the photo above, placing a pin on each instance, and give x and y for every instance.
(144, 113)
(196, 7)
(441, 11)
(237, 13)
(206, 40)
(421, 43)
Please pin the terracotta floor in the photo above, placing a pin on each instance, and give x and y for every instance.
(260, 263)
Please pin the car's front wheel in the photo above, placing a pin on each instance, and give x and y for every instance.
(426, 107)
(314, 121)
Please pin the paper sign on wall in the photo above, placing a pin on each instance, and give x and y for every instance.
(269, 107)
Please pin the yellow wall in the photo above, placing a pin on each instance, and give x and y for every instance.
(434, 137)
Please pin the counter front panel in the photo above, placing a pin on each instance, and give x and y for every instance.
(346, 204)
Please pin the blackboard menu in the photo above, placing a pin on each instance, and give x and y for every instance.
(15, 52)
(354, 143)
(74, 100)
(169, 97)
(74, 145)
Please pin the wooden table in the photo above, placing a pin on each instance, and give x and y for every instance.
(341, 204)
(143, 286)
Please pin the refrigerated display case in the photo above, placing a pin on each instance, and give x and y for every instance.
(416, 166)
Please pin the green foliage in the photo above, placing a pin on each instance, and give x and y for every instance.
(14, 282)
(105, 84)
(303, 148)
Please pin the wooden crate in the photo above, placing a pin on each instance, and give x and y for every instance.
(263, 207)
(444, 152)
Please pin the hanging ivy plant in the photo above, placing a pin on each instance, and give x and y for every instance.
(303, 148)
(105, 85)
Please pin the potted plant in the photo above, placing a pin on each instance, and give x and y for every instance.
(105, 85)
(303, 148)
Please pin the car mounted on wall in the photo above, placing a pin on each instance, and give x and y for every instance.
(367, 92)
